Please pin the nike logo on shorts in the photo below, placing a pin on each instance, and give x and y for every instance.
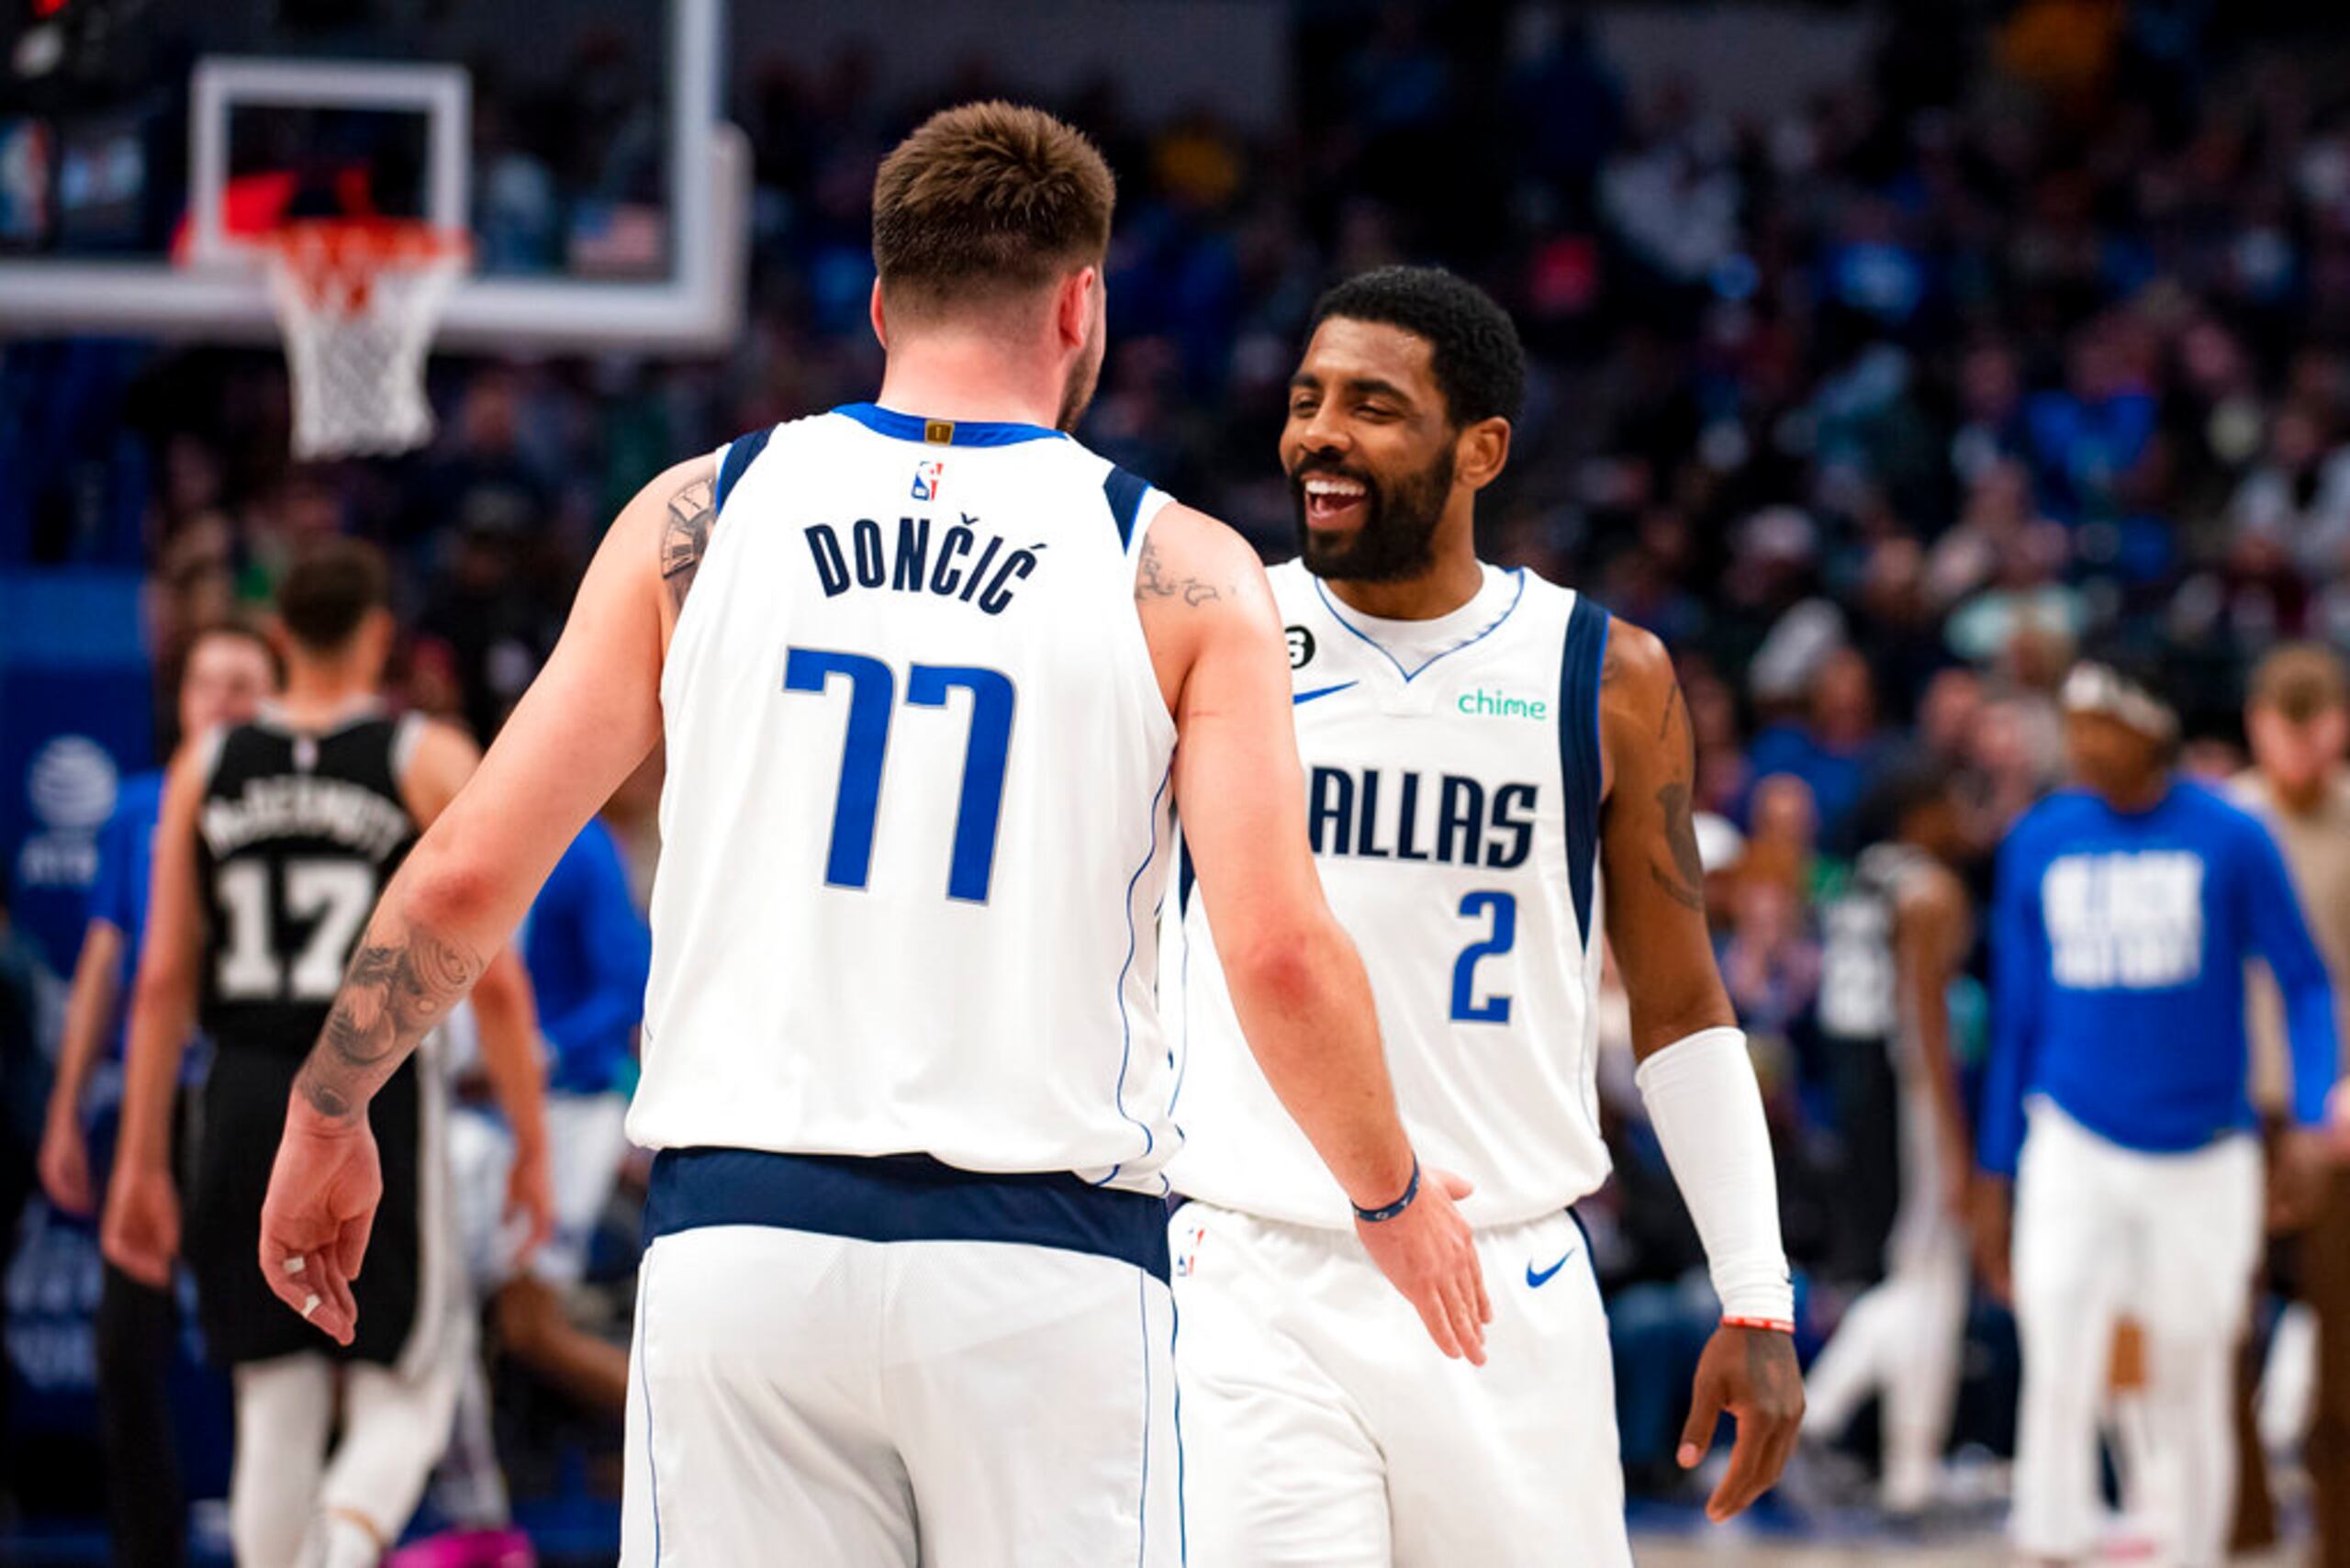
(1534, 1280)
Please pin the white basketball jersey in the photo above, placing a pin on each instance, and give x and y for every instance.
(915, 825)
(1453, 794)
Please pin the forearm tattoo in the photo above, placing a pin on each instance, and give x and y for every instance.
(685, 535)
(398, 987)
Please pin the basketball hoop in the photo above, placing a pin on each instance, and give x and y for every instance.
(357, 299)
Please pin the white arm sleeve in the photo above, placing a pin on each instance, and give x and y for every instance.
(1707, 1111)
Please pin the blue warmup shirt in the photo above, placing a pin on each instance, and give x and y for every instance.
(2118, 945)
(119, 893)
(589, 953)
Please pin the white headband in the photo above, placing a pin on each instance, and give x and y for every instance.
(2094, 688)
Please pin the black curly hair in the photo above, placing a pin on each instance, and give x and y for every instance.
(1479, 362)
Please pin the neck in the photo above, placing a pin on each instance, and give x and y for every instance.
(948, 374)
(317, 693)
(2140, 795)
(1451, 580)
(2302, 797)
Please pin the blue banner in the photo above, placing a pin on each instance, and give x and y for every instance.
(76, 715)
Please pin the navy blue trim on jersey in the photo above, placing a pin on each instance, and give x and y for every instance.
(1186, 876)
(1579, 750)
(1411, 674)
(740, 454)
(1124, 494)
(1134, 940)
(960, 432)
(902, 1198)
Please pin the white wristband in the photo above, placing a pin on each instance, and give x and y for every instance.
(1702, 1098)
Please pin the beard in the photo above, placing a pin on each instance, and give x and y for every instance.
(1397, 539)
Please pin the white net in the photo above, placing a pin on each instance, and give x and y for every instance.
(357, 302)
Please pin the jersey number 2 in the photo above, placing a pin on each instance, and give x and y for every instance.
(872, 697)
(1466, 1008)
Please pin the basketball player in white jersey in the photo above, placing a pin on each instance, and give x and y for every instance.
(1491, 765)
(920, 667)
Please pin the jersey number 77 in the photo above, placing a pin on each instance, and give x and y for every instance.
(872, 704)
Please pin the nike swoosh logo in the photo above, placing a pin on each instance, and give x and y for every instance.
(1298, 698)
(1534, 1282)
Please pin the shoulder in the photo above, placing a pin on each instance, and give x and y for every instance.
(2049, 817)
(1635, 661)
(1637, 684)
(1930, 888)
(2228, 815)
(1190, 555)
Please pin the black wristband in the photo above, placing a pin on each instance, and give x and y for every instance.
(1372, 1217)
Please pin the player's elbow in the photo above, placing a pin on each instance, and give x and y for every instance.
(165, 988)
(449, 890)
(1289, 972)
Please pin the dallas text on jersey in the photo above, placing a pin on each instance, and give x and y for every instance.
(1344, 818)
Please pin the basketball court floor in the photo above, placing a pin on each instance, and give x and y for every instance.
(1730, 1552)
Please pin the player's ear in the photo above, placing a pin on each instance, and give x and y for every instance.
(879, 318)
(1074, 307)
(1481, 452)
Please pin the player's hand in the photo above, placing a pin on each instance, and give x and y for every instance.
(529, 1200)
(1428, 1253)
(2337, 1119)
(323, 1192)
(1751, 1373)
(1991, 1223)
(142, 1232)
(65, 1165)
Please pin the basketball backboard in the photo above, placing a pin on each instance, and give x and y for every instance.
(145, 143)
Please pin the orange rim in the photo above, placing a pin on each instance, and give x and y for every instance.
(336, 260)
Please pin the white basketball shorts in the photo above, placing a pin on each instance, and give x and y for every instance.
(1323, 1427)
(912, 1395)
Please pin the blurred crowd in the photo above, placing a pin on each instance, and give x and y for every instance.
(2035, 334)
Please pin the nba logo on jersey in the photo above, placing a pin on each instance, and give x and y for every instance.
(1187, 1254)
(927, 476)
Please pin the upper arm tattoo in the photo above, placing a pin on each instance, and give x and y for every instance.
(1152, 581)
(1684, 880)
(685, 535)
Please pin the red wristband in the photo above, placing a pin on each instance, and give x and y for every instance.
(1766, 1325)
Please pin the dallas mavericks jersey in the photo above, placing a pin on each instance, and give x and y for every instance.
(1452, 795)
(916, 818)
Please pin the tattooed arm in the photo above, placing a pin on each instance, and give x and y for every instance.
(1300, 990)
(1647, 844)
(583, 727)
(1705, 1106)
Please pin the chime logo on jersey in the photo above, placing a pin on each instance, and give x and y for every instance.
(2125, 922)
(1483, 703)
(927, 478)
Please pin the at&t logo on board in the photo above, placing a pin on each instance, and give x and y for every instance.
(70, 787)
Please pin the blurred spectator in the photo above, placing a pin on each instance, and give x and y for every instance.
(1833, 747)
